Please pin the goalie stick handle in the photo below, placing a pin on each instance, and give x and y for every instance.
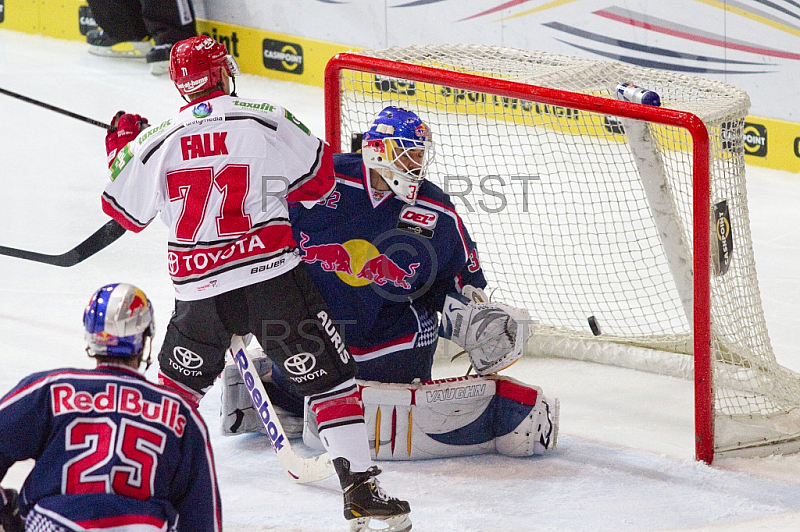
(56, 109)
(100, 239)
(302, 470)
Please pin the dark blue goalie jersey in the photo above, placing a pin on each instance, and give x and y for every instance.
(384, 267)
(112, 451)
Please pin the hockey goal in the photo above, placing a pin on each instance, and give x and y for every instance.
(623, 228)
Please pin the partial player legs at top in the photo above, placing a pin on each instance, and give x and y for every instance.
(121, 31)
(169, 21)
(140, 28)
(121, 20)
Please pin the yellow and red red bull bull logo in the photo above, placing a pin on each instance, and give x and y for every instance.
(357, 263)
(422, 132)
(104, 338)
(138, 302)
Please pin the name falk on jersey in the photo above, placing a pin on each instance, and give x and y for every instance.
(204, 145)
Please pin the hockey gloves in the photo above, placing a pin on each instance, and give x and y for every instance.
(10, 521)
(492, 334)
(124, 128)
(474, 294)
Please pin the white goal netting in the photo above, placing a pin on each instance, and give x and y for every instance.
(558, 201)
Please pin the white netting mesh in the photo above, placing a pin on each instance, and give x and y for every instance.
(554, 198)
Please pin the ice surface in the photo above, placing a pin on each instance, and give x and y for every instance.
(624, 460)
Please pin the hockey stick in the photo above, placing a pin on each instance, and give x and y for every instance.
(302, 470)
(54, 108)
(100, 239)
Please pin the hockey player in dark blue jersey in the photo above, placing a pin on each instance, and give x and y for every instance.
(389, 252)
(386, 248)
(112, 451)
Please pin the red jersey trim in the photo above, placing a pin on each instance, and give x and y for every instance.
(198, 261)
(450, 211)
(319, 181)
(122, 520)
(398, 344)
(115, 211)
(203, 99)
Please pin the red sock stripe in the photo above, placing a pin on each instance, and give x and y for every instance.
(331, 410)
(320, 397)
(189, 395)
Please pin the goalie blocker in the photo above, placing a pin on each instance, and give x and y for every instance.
(458, 416)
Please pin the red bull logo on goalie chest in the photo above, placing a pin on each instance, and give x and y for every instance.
(357, 263)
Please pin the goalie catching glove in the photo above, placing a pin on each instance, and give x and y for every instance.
(492, 334)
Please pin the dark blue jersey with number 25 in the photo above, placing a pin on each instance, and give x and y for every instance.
(112, 451)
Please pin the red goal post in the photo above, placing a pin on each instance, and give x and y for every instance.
(371, 64)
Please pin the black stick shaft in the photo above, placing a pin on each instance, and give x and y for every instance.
(100, 239)
(54, 108)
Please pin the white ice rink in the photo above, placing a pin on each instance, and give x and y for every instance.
(625, 456)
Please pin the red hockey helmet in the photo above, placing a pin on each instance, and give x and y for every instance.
(196, 64)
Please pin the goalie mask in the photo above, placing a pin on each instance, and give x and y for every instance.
(117, 320)
(399, 147)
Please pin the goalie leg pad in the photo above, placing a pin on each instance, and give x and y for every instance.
(451, 417)
(238, 414)
(527, 422)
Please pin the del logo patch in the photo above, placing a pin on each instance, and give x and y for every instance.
(418, 221)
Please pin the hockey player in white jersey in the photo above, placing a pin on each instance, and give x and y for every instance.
(220, 174)
(422, 262)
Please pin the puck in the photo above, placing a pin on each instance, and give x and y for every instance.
(594, 326)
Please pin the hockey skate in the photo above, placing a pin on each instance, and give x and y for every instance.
(365, 501)
(101, 44)
(158, 59)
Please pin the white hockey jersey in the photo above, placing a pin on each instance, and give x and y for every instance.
(220, 173)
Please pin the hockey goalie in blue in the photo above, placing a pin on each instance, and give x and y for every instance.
(384, 264)
(389, 253)
(112, 451)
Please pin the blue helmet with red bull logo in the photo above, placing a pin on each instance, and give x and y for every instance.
(118, 320)
(399, 146)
